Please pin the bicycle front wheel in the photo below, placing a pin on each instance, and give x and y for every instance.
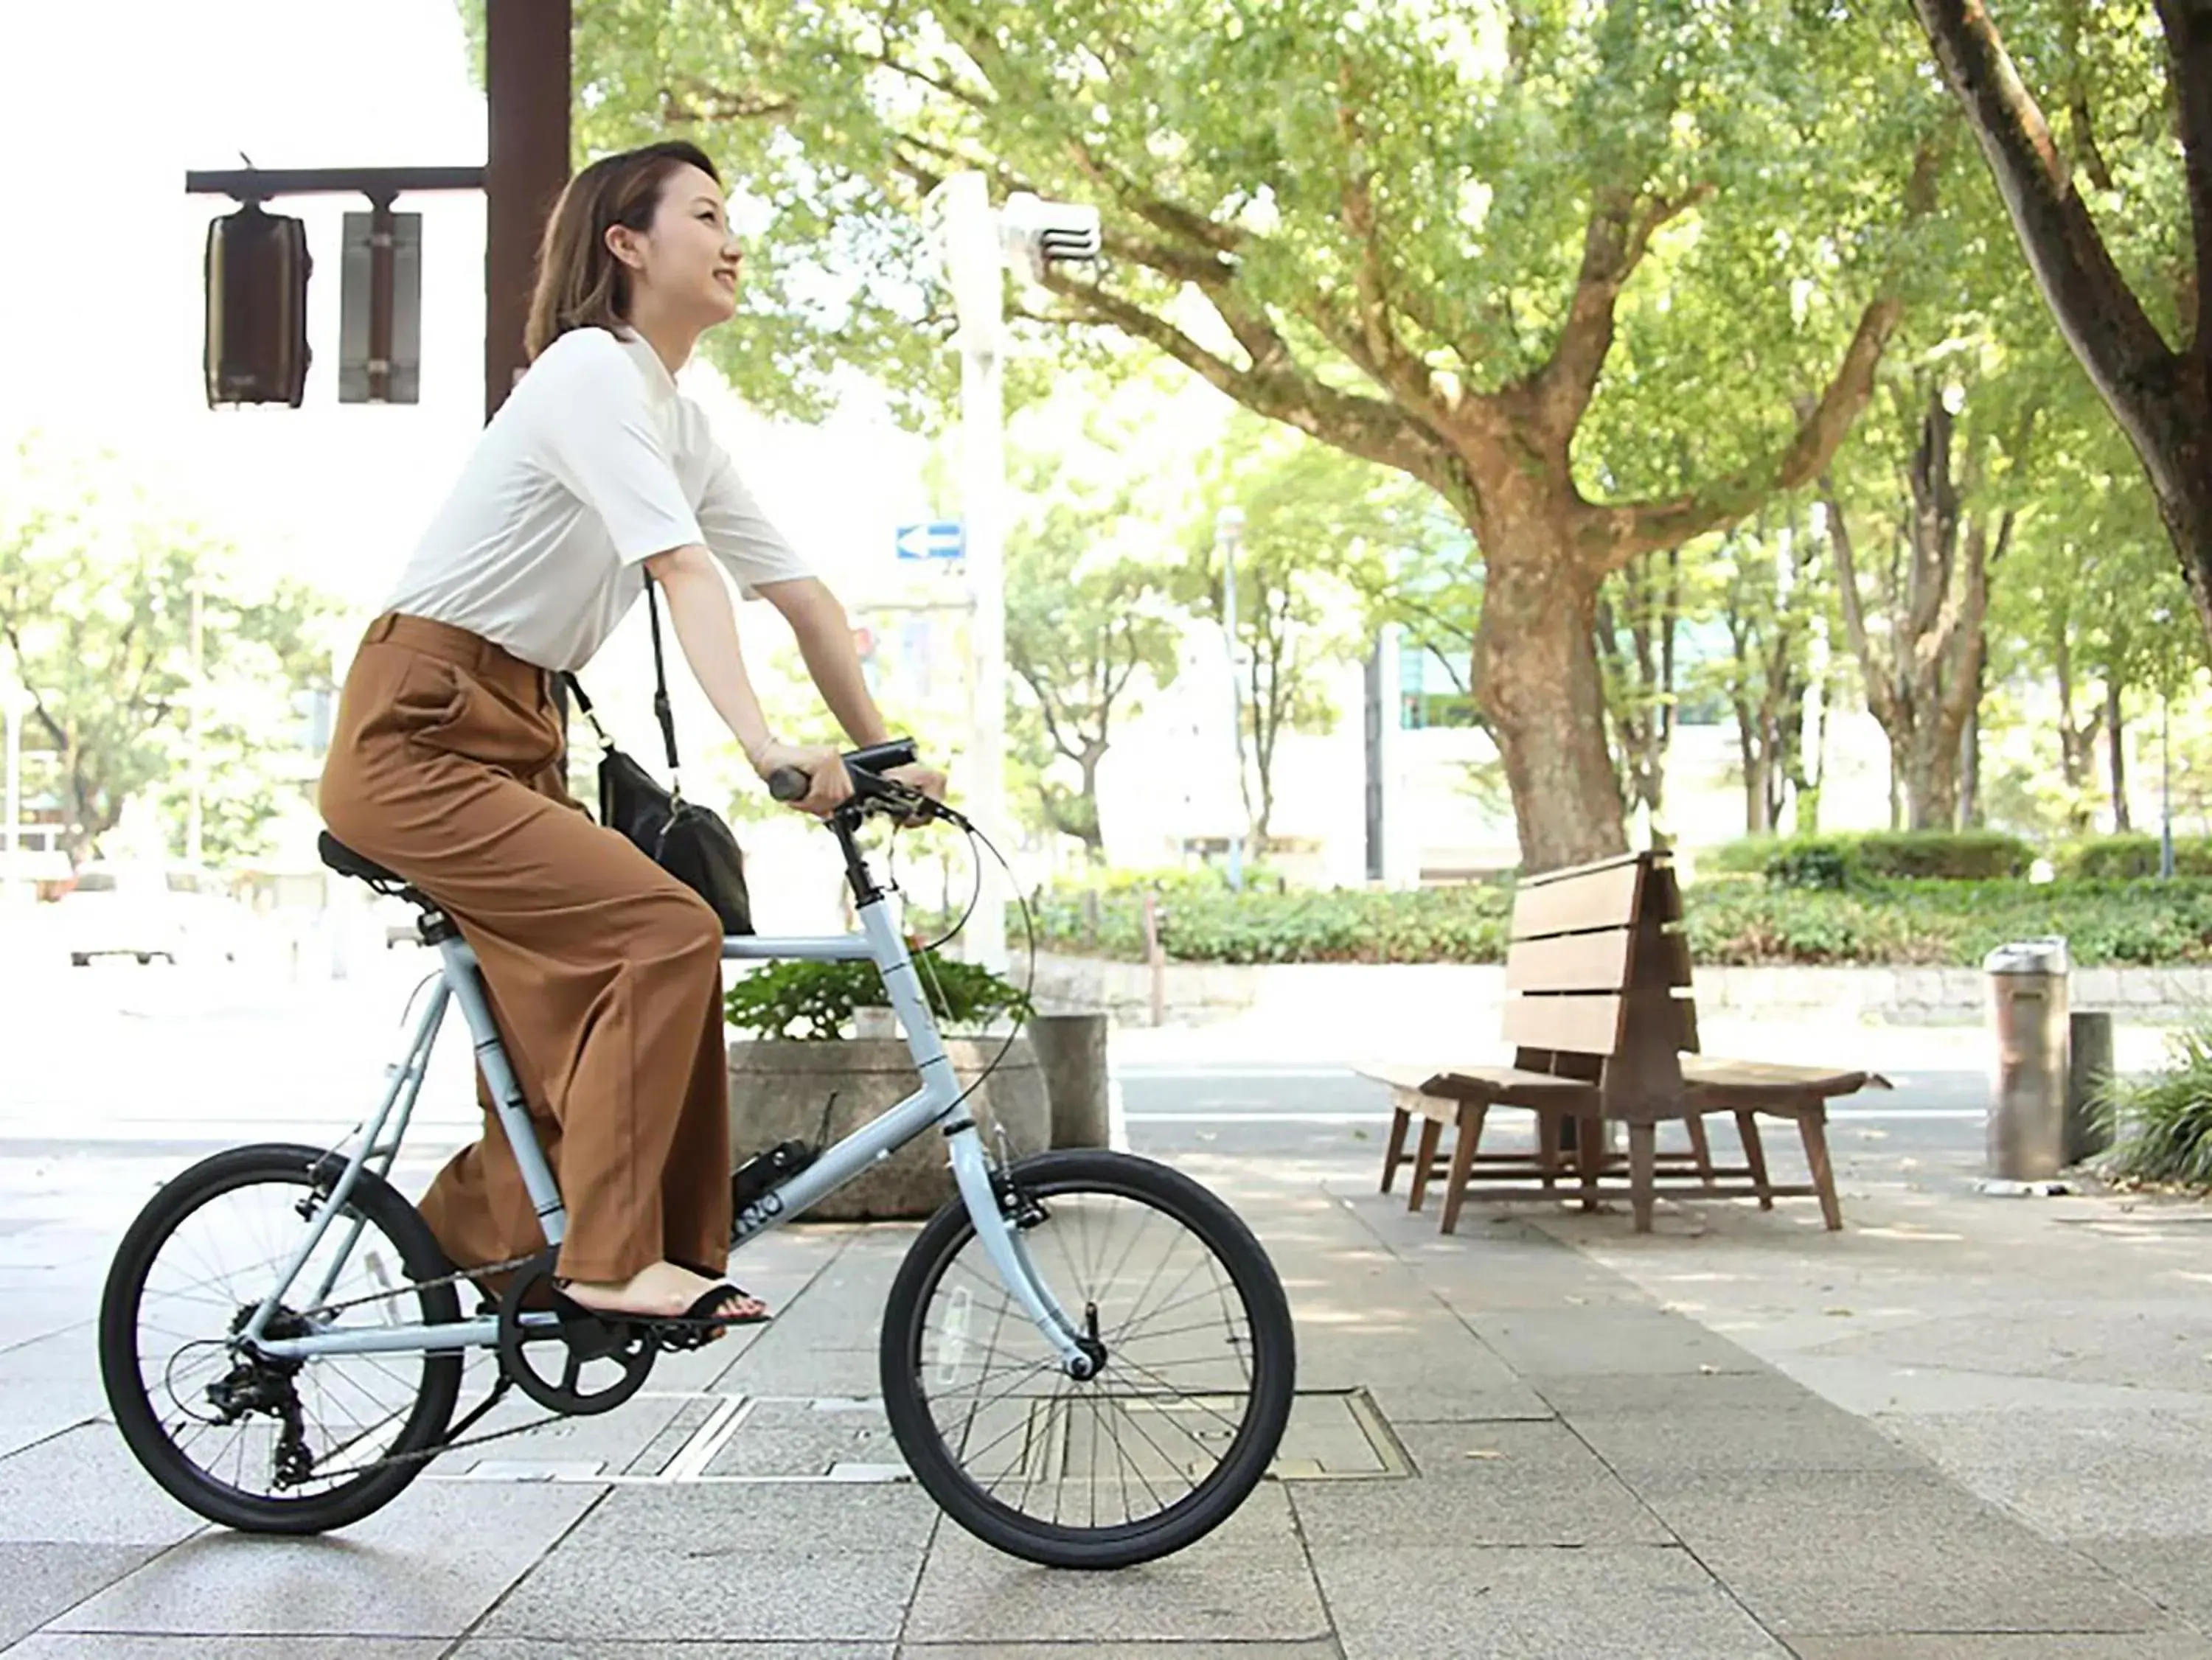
(1177, 1426)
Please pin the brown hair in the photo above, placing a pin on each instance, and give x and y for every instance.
(580, 283)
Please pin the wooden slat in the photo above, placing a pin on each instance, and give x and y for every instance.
(1605, 898)
(1748, 1077)
(1589, 1025)
(1570, 962)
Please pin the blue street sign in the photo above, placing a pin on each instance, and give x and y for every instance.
(945, 539)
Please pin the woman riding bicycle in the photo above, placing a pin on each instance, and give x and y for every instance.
(448, 761)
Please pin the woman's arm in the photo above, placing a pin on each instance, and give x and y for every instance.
(707, 628)
(825, 634)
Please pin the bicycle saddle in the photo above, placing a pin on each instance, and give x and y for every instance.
(347, 862)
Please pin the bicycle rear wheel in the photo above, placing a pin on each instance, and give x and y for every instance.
(241, 1439)
(1171, 1435)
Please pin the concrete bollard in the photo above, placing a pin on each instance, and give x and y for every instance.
(1070, 1052)
(2089, 1063)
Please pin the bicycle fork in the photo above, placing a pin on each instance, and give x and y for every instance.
(1000, 1235)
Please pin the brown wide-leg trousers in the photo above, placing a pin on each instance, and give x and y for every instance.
(602, 969)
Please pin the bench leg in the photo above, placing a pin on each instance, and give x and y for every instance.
(1643, 1149)
(1470, 1133)
(1425, 1160)
(1700, 1147)
(1589, 1157)
(1395, 1153)
(1754, 1155)
(1547, 1149)
(1813, 1126)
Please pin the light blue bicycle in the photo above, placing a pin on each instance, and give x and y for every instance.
(1086, 1357)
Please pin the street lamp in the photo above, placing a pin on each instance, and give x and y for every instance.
(1228, 536)
(974, 246)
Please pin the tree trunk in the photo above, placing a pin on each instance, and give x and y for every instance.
(1537, 673)
(2161, 397)
(2117, 747)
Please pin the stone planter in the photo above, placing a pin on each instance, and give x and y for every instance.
(779, 1087)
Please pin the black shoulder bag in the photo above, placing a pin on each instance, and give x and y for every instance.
(691, 842)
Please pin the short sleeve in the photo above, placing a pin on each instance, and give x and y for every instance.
(739, 535)
(601, 440)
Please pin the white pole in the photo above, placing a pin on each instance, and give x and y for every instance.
(14, 787)
(1228, 527)
(193, 820)
(983, 463)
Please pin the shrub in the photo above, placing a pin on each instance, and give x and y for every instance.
(1829, 863)
(819, 999)
(2164, 1120)
(2119, 858)
(1729, 919)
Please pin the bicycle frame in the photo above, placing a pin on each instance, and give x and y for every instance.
(936, 1102)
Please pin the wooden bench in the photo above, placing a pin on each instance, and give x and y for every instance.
(1605, 1032)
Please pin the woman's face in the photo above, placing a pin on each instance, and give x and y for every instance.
(686, 265)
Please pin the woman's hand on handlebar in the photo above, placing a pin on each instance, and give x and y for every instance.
(922, 781)
(828, 785)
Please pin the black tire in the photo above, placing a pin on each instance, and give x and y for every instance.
(1273, 1368)
(135, 1413)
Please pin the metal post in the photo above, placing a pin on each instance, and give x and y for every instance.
(526, 88)
(382, 232)
(2165, 787)
(193, 824)
(1228, 531)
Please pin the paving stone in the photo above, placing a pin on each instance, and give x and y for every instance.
(1482, 1484)
(728, 1563)
(1876, 1551)
(84, 1487)
(2063, 1646)
(1248, 1579)
(1612, 1604)
(2170, 1571)
(107, 1646)
(1580, 1343)
(1808, 1435)
(1319, 1648)
(511, 1648)
(38, 1581)
(428, 1564)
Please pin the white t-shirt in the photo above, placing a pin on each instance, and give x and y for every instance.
(594, 464)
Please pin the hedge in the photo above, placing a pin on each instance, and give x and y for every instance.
(2117, 858)
(1843, 861)
(1734, 920)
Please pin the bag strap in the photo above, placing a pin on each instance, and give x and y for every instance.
(661, 706)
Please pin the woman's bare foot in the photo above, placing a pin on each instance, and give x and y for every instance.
(659, 1290)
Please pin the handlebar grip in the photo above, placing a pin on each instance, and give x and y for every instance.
(789, 783)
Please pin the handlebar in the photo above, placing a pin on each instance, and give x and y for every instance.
(865, 769)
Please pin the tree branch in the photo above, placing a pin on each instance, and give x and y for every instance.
(2189, 41)
(2096, 310)
(1614, 535)
(1614, 242)
(1882, 701)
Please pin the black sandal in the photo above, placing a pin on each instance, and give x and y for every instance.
(696, 1326)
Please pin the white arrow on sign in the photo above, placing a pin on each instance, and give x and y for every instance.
(945, 539)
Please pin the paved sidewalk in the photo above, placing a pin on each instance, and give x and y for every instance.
(1965, 1428)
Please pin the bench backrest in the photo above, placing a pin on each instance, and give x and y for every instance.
(1593, 968)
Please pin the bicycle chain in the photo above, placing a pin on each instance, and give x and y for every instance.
(498, 1390)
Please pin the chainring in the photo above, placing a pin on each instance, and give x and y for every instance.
(581, 1341)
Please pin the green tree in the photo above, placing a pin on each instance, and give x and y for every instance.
(1774, 589)
(1319, 528)
(2114, 211)
(1414, 232)
(1088, 634)
(97, 591)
